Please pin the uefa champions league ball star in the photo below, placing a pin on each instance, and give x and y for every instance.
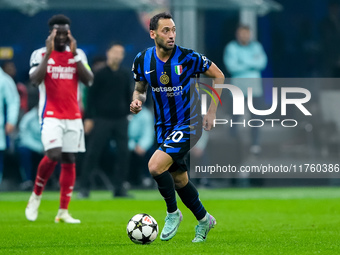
(142, 229)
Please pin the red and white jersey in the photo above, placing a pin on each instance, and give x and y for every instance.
(58, 93)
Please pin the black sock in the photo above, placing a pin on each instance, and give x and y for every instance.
(166, 187)
(189, 196)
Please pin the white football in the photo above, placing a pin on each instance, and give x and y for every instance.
(142, 229)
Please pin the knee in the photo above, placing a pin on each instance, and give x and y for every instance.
(68, 158)
(155, 169)
(54, 155)
(180, 183)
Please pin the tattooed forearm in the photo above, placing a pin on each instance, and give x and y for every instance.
(140, 91)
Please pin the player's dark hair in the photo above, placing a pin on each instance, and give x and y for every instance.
(154, 20)
(59, 19)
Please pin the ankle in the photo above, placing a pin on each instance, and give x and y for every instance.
(175, 212)
(62, 211)
(36, 196)
(204, 219)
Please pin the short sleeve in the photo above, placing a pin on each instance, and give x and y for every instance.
(137, 68)
(35, 60)
(82, 55)
(203, 63)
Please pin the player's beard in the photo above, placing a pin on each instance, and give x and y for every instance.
(161, 44)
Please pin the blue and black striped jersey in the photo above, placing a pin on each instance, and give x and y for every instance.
(176, 100)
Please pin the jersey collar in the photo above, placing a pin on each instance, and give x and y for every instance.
(169, 59)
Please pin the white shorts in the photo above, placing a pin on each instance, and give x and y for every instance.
(67, 134)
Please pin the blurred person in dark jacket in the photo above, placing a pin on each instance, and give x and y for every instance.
(106, 119)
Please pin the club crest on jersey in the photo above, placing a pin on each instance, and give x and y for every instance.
(50, 61)
(179, 69)
(164, 79)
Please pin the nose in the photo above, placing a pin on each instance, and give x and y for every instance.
(62, 36)
(172, 34)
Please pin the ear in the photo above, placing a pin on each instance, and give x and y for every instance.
(152, 34)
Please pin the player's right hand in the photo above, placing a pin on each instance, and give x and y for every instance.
(136, 106)
(50, 41)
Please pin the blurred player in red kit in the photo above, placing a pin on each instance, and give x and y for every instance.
(57, 69)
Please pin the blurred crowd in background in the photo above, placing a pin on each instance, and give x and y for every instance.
(302, 41)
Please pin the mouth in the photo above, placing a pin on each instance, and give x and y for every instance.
(171, 43)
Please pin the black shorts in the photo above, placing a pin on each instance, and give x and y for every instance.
(178, 142)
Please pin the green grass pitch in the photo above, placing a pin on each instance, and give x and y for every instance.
(249, 221)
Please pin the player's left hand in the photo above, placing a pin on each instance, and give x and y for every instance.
(50, 42)
(73, 43)
(208, 121)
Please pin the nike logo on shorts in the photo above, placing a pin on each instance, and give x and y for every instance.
(168, 146)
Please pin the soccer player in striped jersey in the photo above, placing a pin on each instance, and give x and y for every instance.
(57, 69)
(167, 68)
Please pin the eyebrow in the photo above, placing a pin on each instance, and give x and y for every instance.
(169, 27)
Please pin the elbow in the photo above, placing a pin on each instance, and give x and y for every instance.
(89, 81)
(35, 81)
(221, 75)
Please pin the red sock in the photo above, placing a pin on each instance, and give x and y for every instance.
(66, 180)
(45, 169)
